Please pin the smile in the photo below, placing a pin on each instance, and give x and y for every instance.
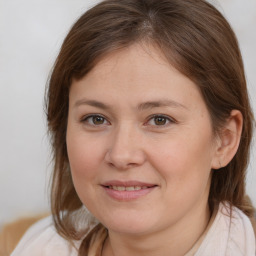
(126, 191)
(131, 188)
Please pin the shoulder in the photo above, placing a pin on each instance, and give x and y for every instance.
(241, 235)
(231, 234)
(42, 239)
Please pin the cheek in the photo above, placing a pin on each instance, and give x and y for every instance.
(184, 162)
(84, 156)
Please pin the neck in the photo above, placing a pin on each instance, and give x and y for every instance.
(175, 240)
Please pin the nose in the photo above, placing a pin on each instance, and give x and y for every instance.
(126, 149)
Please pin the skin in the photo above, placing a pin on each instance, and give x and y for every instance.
(176, 152)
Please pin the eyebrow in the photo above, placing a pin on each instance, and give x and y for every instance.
(160, 103)
(93, 103)
(142, 106)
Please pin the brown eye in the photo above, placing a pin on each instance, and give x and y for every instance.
(160, 120)
(97, 120)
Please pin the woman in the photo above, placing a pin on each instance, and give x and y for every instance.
(151, 127)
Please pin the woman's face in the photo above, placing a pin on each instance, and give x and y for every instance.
(140, 143)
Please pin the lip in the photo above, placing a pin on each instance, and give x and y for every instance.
(125, 195)
(129, 183)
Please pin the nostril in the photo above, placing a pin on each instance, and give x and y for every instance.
(124, 158)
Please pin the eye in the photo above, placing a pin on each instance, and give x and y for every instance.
(160, 120)
(95, 120)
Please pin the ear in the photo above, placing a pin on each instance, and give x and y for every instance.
(228, 140)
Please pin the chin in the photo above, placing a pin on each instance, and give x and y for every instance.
(134, 225)
(129, 229)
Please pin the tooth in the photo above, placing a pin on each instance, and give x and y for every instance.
(118, 188)
(129, 188)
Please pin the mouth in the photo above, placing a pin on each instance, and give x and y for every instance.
(129, 188)
(126, 191)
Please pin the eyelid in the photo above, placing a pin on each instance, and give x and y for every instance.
(170, 119)
(86, 117)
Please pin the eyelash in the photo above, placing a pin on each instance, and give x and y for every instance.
(167, 120)
(87, 118)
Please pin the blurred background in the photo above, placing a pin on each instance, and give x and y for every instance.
(31, 33)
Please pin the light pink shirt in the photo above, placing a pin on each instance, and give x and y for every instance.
(226, 237)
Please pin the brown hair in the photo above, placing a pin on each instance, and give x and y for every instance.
(196, 39)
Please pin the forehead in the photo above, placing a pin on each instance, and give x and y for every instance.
(137, 58)
(139, 72)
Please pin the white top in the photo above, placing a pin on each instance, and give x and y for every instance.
(226, 237)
